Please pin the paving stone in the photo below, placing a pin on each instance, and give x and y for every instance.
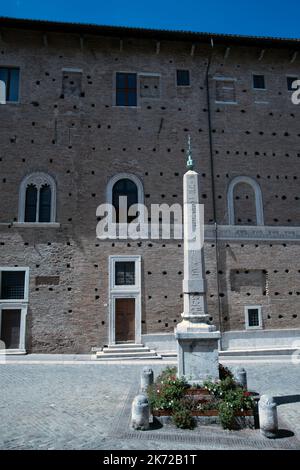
(83, 406)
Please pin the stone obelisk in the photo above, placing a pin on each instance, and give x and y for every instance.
(197, 341)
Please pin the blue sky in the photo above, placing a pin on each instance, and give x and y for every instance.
(251, 17)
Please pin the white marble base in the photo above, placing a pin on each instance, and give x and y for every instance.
(198, 355)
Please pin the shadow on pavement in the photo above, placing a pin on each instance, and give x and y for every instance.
(287, 399)
(284, 433)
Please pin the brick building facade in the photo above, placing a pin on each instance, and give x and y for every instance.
(69, 132)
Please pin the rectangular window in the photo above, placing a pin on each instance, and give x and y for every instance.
(10, 77)
(183, 78)
(259, 82)
(290, 81)
(124, 273)
(12, 285)
(225, 91)
(126, 89)
(253, 317)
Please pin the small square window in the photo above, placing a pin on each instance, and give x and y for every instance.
(126, 89)
(124, 273)
(183, 78)
(10, 77)
(290, 81)
(12, 285)
(259, 82)
(253, 317)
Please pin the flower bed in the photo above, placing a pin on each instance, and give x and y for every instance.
(171, 396)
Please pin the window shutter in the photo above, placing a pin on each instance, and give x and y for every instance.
(30, 203)
(45, 204)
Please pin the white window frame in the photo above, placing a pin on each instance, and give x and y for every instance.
(260, 325)
(26, 284)
(225, 79)
(19, 88)
(109, 198)
(259, 208)
(16, 304)
(259, 89)
(38, 179)
(123, 292)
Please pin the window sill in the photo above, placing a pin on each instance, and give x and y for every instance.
(126, 107)
(254, 328)
(10, 102)
(226, 102)
(36, 224)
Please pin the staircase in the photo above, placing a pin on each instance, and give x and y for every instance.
(117, 352)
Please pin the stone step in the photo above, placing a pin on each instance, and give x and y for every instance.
(125, 345)
(148, 354)
(124, 350)
(258, 352)
(99, 357)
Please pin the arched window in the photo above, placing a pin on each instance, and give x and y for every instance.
(244, 199)
(37, 199)
(125, 185)
(128, 189)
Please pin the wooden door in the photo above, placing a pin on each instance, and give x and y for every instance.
(125, 320)
(10, 328)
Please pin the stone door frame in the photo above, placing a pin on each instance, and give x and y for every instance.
(125, 292)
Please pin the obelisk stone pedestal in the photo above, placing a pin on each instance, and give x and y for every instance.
(198, 354)
(197, 341)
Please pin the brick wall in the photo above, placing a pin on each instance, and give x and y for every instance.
(84, 141)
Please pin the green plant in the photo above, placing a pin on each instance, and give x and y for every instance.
(226, 414)
(231, 400)
(220, 387)
(167, 390)
(182, 417)
(207, 405)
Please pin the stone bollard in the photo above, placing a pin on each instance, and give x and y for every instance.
(240, 376)
(140, 413)
(268, 420)
(146, 378)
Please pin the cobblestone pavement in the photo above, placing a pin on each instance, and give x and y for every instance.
(87, 406)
